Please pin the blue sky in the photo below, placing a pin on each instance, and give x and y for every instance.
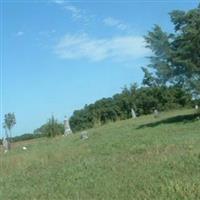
(57, 56)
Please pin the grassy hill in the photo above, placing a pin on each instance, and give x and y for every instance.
(145, 158)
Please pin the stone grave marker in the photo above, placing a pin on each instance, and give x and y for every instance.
(67, 127)
(156, 113)
(6, 145)
(84, 135)
(133, 113)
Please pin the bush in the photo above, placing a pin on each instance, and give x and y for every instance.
(51, 128)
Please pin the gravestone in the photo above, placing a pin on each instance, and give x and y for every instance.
(133, 113)
(84, 135)
(6, 145)
(196, 107)
(155, 113)
(67, 127)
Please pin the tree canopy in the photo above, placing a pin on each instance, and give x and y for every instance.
(176, 56)
(9, 122)
(143, 100)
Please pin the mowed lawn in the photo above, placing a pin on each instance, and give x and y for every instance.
(144, 158)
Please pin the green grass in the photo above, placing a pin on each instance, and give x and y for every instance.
(145, 158)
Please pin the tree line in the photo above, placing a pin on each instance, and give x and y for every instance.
(143, 100)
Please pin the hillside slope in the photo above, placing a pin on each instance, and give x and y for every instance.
(145, 158)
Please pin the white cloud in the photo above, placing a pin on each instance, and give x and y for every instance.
(79, 14)
(19, 33)
(109, 21)
(120, 48)
(75, 12)
(58, 1)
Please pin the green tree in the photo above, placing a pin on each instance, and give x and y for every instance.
(9, 122)
(53, 128)
(176, 56)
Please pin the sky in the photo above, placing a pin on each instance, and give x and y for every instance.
(57, 55)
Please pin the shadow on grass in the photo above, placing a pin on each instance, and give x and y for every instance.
(170, 120)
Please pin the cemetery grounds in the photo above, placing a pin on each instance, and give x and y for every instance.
(142, 158)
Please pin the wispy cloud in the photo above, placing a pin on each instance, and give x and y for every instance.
(112, 22)
(82, 46)
(81, 15)
(120, 48)
(58, 1)
(19, 33)
(76, 12)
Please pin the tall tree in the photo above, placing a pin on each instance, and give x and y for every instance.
(9, 122)
(176, 56)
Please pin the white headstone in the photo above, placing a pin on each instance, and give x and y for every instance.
(133, 113)
(196, 107)
(84, 135)
(156, 113)
(5, 145)
(67, 127)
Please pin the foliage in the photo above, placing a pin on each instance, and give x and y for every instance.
(51, 128)
(145, 158)
(9, 121)
(176, 56)
(26, 136)
(149, 79)
(143, 100)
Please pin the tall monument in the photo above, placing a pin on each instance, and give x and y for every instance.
(67, 127)
(133, 113)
